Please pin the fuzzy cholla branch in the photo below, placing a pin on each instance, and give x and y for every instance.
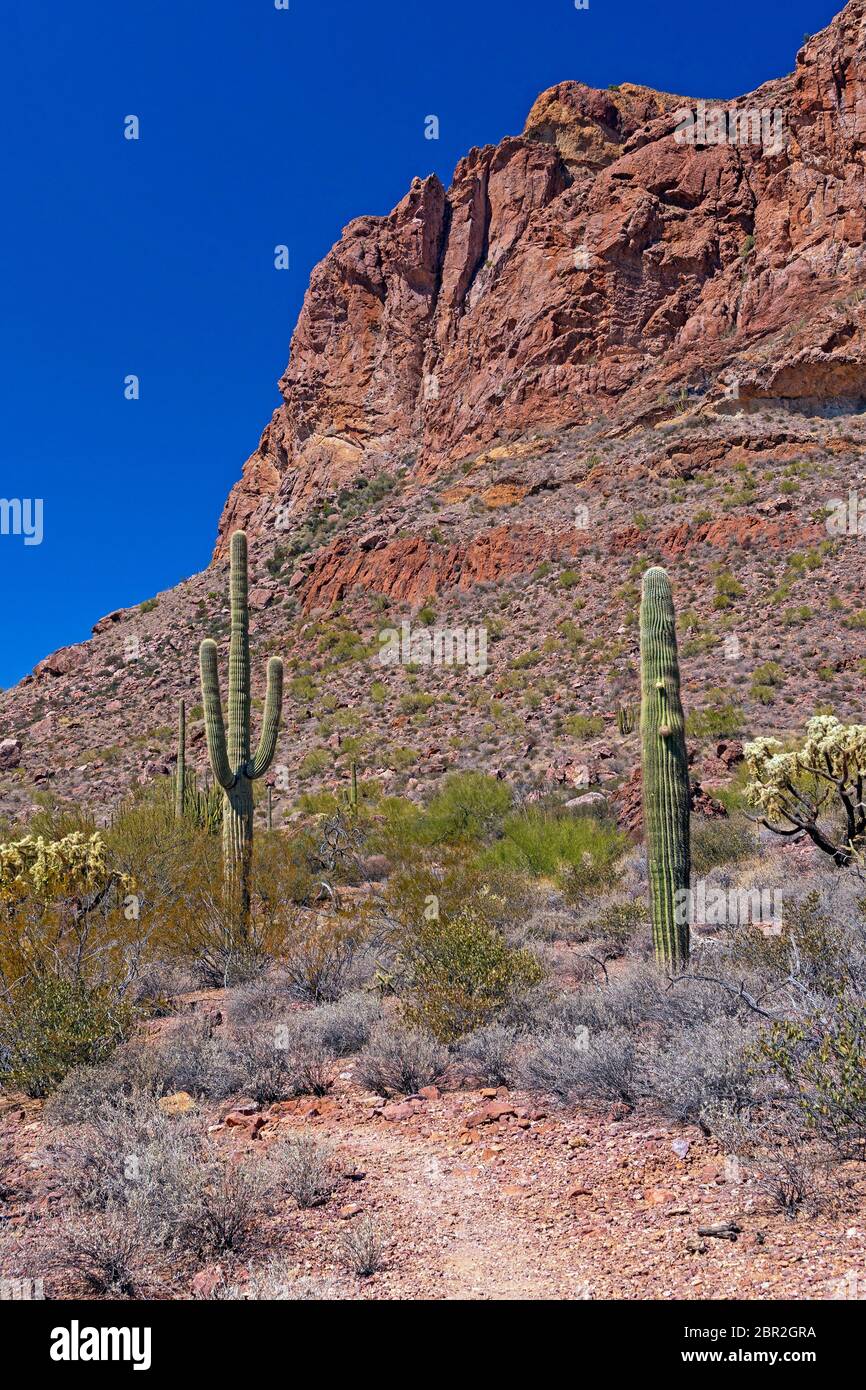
(814, 790)
(75, 864)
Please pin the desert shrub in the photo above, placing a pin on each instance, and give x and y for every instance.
(780, 1158)
(572, 850)
(105, 1248)
(821, 1061)
(344, 1027)
(488, 1056)
(274, 1280)
(70, 948)
(822, 945)
(214, 1205)
(322, 953)
(502, 896)
(48, 1025)
(581, 1066)
(166, 859)
(222, 950)
(361, 1247)
(283, 870)
(314, 763)
(634, 998)
(621, 923)
(261, 1000)
(399, 1060)
(122, 1155)
(716, 843)
(717, 721)
(581, 726)
(469, 806)
(276, 1062)
(698, 1071)
(460, 973)
(168, 1177)
(186, 1058)
(305, 1169)
(399, 830)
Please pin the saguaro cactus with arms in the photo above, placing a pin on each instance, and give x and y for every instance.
(233, 767)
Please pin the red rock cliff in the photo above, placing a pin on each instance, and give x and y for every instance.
(573, 273)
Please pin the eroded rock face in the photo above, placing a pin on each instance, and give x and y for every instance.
(576, 272)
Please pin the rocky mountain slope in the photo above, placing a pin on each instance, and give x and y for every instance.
(604, 344)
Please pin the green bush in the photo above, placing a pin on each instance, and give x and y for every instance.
(48, 1025)
(314, 763)
(719, 842)
(461, 972)
(584, 725)
(470, 806)
(720, 721)
(546, 845)
(823, 1063)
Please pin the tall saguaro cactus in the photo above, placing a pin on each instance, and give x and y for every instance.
(665, 771)
(230, 759)
(180, 778)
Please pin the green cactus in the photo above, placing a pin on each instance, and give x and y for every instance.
(625, 720)
(233, 768)
(665, 771)
(204, 808)
(180, 774)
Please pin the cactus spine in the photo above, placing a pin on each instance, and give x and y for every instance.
(180, 774)
(233, 768)
(665, 771)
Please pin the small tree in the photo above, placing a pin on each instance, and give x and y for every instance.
(814, 790)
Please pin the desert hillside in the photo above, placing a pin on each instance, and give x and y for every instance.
(600, 347)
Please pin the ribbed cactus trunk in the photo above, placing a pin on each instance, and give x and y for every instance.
(180, 779)
(230, 759)
(665, 772)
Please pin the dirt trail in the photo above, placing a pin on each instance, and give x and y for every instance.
(491, 1197)
(571, 1206)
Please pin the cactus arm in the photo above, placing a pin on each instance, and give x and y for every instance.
(213, 711)
(180, 771)
(665, 771)
(271, 723)
(239, 658)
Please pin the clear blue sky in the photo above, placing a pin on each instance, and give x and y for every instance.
(258, 126)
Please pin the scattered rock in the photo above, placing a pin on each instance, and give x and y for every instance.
(180, 1103)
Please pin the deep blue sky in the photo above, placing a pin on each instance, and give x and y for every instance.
(258, 126)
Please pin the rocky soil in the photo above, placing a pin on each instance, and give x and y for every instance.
(486, 1195)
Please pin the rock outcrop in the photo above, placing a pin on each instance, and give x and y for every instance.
(580, 272)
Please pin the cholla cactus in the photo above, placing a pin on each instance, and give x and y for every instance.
(665, 770)
(73, 866)
(810, 789)
(233, 768)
